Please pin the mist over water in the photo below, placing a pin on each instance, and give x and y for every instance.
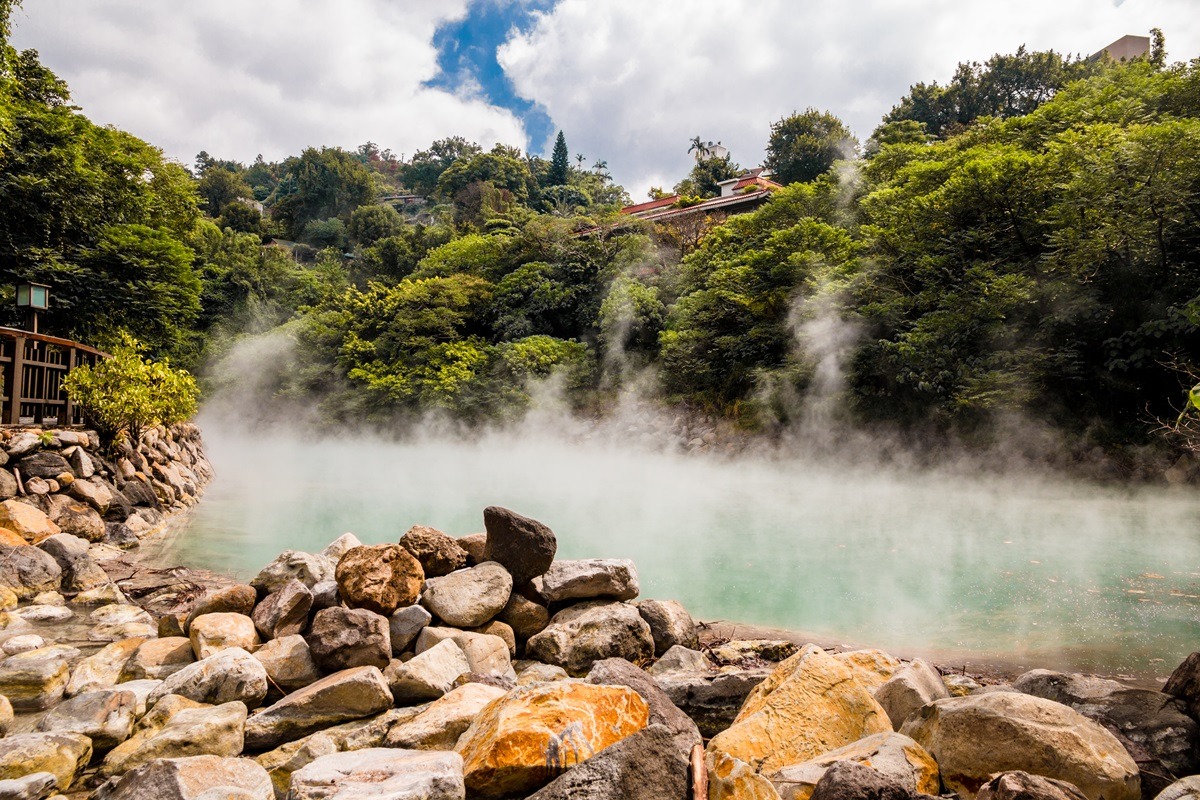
(1028, 570)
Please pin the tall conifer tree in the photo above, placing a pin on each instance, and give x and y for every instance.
(560, 162)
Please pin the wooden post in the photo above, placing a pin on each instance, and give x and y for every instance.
(13, 412)
(67, 417)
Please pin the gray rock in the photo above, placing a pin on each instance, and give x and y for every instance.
(908, 690)
(680, 659)
(849, 780)
(469, 597)
(95, 492)
(579, 636)
(191, 778)
(618, 672)
(670, 624)
(1186, 789)
(1017, 785)
(42, 613)
(37, 786)
(81, 463)
(589, 578)
(405, 625)
(341, 697)
(325, 595)
(523, 546)
(44, 465)
(486, 654)
(308, 568)
(341, 638)
(116, 621)
(283, 612)
(382, 773)
(177, 727)
(288, 662)
(711, 699)
(429, 675)
(28, 571)
(644, 766)
(8, 485)
(439, 725)
(105, 716)
(229, 675)
(1184, 683)
(338, 547)
(22, 444)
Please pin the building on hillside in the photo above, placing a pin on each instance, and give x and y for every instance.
(1126, 48)
(738, 195)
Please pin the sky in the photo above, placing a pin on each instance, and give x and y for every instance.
(628, 81)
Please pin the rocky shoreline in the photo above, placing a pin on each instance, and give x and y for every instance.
(482, 667)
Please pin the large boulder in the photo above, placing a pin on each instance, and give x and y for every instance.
(1023, 786)
(308, 568)
(379, 578)
(908, 689)
(105, 716)
(28, 571)
(35, 679)
(288, 662)
(30, 523)
(642, 766)
(96, 493)
(1185, 789)
(972, 738)
(44, 464)
(155, 659)
(523, 546)
(619, 672)
(191, 778)
(75, 518)
(229, 675)
(518, 743)
(581, 635)
(405, 625)
(62, 755)
(34, 786)
(103, 668)
(469, 597)
(178, 727)
(711, 699)
(343, 696)
(211, 633)
(438, 553)
(670, 625)
(237, 599)
(117, 621)
(283, 612)
(341, 638)
(442, 722)
(380, 773)
(79, 571)
(810, 704)
(895, 756)
(590, 578)
(428, 675)
(1184, 684)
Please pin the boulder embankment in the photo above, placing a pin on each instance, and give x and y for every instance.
(482, 666)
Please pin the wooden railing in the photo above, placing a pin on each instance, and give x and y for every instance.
(33, 366)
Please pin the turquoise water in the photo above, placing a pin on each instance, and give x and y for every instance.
(1030, 571)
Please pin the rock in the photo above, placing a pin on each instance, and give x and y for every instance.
(501, 631)
(347, 695)
(474, 545)
(22, 443)
(379, 578)
(438, 553)
(752, 651)
(79, 572)
(896, 757)
(45, 465)
(308, 568)
(711, 699)
(96, 493)
(63, 755)
(731, 779)
(382, 773)
(910, 688)
(642, 766)
(211, 633)
(28, 571)
(341, 638)
(429, 675)
(618, 672)
(11, 538)
(325, 595)
(170, 626)
(524, 616)
(523, 546)
(1184, 683)
(103, 668)
(470, 597)
(288, 662)
(39, 613)
(114, 622)
(30, 523)
(23, 644)
(338, 547)
(75, 518)
(6, 715)
(238, 599)
(191, 778)
(590, 578)
(680, 659)
(177, 727)
(849, 780)
(283, 612)
(536, 672)
(516, 744)
(231, 674)
(808, 705)
(81, 463)
(141, 691)
(871, 668)
(1019, 785)
(973, 738)
(405, 625)
(8, 485)
(670, 625)
(1186, 789)
(35, 786)
(443, 721)
(34, 680)
(156, 659)
(1154, 722)
(960, 685)
(108, 594)
(486, 655)
(105, 716)
(578, 637)
(8, 599)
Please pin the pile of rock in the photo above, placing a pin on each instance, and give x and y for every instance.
(443, 668)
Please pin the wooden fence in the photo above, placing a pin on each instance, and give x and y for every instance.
(33, 366)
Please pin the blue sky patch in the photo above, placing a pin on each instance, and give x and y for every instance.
(467, 56)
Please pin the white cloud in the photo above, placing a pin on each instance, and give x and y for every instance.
(269, 76)
(632, 81)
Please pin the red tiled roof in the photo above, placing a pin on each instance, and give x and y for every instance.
(650, 205)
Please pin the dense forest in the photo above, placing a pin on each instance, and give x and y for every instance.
(1023, 240)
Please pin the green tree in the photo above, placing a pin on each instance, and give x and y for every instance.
(560, 163)
(318, 185)
(705, 176)
(219, 187)
(369, 224)
(804, 146)
(422, 172)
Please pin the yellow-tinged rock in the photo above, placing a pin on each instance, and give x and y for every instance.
(810, 704)
(8, 599)
(872, 668)
(892, 754)
(26, 521)
(732, 779)
(11, 538)
(521, 741)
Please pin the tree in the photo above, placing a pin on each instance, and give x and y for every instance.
(369, 224)
(560, 163)
(804, 146)
(422, 172)
(705, 176)
(319, 185)
(219, 187)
